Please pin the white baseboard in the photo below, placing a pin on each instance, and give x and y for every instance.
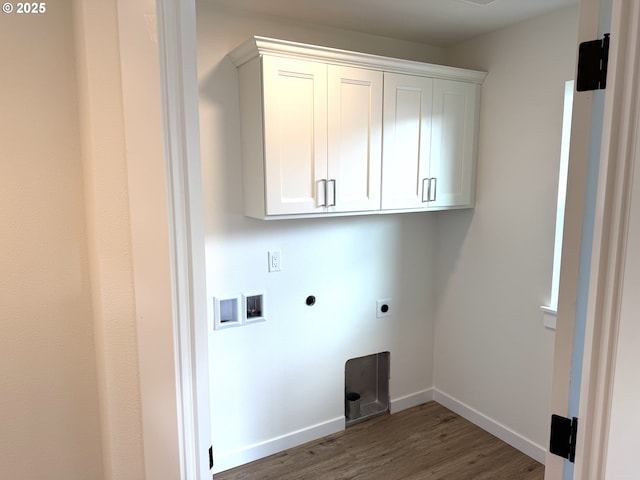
(410, 401)
(495, 428)
(228, 460)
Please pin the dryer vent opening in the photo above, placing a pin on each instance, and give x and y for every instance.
(366, 387)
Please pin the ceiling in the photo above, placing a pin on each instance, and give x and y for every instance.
(434, 22)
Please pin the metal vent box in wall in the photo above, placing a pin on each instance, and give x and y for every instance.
(368, 376)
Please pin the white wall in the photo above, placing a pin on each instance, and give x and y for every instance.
(49, 403)
(124, 168)
(125, 184)
(85, 264)
(109, 236)
(273, 379)
(492, 352)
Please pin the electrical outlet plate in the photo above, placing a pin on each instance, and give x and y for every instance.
(275, 261)
(384, 308)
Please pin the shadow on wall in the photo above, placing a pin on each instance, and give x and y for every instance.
(222, 170)
(449, 250)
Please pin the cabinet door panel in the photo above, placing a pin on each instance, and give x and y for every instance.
(406, 140)
(455, 107)
(295, 123)
(355, 138)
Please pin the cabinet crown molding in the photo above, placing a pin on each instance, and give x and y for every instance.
(258, 46)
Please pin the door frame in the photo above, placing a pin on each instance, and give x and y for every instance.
(177, 46)
(608, 250)
(621, 116)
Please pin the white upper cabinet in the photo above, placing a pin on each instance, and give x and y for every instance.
(454, 127)
(295, 135)
(322, 137)
(331, 132)
(430, 134)
(355, 139)
(407, 141)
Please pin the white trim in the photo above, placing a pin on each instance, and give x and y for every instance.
(621, 120)
(232, 459)
(504, 433)
(178, 67)
(262, 45)
(410, 401)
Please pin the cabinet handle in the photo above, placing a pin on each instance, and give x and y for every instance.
(428, 190)
(324, 191)
(333, 181)
(433, 190)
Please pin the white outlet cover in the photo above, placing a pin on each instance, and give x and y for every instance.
(379, 307)
(275, 260)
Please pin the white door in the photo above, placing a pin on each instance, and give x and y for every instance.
(453, 140)
(355, 139)
(295, 136)
(573, 292)
(406, 141)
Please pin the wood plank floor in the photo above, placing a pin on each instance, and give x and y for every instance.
(427, 442)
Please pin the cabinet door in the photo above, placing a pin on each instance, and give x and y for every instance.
(453, 142)
(295, 135)
(355, 139)
(406, 141)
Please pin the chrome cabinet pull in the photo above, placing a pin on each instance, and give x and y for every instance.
(428, 190)
(333, 181)
(433, 190)
(324, 190)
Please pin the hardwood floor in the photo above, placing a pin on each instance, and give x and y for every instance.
(427, 442)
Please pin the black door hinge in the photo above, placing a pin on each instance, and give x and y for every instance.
(563, 437)
(593, 58)
(210, 457)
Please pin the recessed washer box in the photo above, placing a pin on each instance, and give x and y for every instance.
(227, 312)
(254, 307)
